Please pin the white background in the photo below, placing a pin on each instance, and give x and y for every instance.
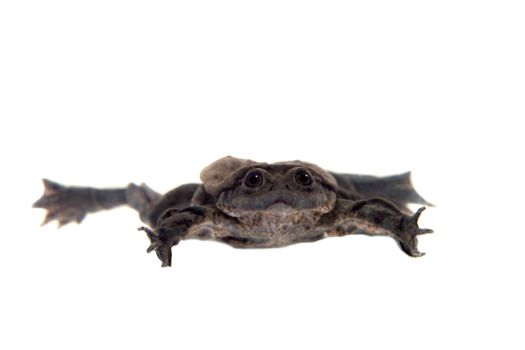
(104, 93)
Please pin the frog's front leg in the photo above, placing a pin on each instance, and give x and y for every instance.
(376, 216)
(173, 226)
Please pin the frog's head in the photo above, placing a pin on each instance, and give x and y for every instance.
(243, 187)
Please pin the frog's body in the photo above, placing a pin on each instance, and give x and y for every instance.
(255, 205)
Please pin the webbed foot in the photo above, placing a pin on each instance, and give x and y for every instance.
(62, 203)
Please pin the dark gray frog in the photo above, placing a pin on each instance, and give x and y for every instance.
(248, 204)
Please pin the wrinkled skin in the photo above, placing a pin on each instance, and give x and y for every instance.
(255, 205)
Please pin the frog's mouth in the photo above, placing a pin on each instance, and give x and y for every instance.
(279, 204)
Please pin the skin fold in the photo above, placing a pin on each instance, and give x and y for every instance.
(247, 204)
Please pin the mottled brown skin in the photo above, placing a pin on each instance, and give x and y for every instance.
(255, 205)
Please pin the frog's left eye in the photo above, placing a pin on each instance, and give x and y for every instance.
(303, 178)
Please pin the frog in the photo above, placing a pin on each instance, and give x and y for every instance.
(249, 204)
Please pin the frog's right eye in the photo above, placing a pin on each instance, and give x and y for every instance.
(254, 178)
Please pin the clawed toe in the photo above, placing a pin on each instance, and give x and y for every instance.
(164, 254)
(414, 218)
(418, 212)
(423, 231)
(410, 248)
(152, 247)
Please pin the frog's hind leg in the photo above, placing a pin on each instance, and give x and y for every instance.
(71, 204)
(397, 189)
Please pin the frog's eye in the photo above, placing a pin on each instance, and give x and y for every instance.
(254, 178)
(303, 178)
